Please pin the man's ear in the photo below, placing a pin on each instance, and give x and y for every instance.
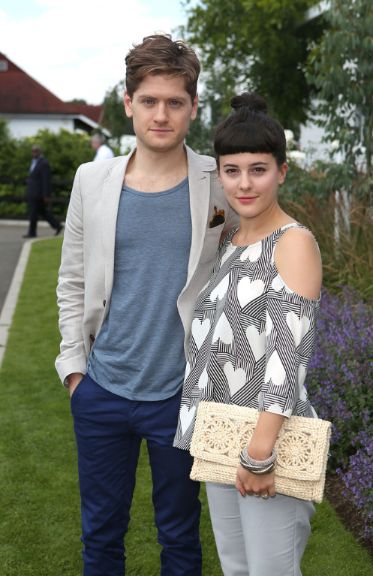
(127, 100)
(193, 115)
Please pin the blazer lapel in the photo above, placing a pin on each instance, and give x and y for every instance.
(111, 191)
(199, 169)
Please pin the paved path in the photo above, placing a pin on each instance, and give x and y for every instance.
(14, 252)
(11, 243)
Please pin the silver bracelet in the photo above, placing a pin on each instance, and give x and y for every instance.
(257, 471)
(257, 466)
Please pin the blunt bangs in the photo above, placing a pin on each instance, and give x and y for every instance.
(259, 134)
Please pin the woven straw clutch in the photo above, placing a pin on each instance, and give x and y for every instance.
(222, 430)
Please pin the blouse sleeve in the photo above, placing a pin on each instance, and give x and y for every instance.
(290, 335)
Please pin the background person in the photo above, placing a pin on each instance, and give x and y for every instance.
(103, 151)
(140, 242)
(251, 341)
(38, 193)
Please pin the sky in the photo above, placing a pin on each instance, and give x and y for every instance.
(76, 48)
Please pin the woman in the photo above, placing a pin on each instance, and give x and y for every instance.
(251, 340)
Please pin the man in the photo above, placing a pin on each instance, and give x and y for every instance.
(38, 193)
(103, 152)
(140, 242)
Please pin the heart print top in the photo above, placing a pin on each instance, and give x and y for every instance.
(251, 338)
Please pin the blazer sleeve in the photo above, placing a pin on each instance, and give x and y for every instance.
(70, 290)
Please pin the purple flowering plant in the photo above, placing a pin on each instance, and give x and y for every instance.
(340, 386)
(357, 478)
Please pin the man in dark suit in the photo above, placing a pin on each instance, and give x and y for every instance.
(38, 193)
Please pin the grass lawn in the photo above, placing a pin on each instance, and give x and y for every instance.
(39, 520)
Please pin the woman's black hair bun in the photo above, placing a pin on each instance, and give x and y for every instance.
(250, 101)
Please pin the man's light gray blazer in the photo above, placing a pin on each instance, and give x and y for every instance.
(87, 264)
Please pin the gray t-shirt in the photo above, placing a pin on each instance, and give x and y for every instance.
(139, 351)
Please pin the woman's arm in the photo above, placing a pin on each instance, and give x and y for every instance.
(298, 262)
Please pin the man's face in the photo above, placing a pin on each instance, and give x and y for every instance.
(161, 110)
(95, 143)
(35, 152)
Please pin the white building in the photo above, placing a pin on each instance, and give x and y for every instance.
(28, 107)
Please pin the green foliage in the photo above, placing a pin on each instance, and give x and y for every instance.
(341, 223)
(213, 105)
(320, 181)
(78, 101)
(14, 164)
(64, 150)
(39, 495)
(256, 45)
(4, 132)
(341, 69)
(115, 118)
(200, 136)
(7, 150)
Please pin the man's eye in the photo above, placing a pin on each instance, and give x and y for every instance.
(148, 101)
(175, 103)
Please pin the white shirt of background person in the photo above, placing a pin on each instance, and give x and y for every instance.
(103, 151)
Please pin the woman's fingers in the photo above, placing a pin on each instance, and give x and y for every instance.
(251, 484)
(240, 487)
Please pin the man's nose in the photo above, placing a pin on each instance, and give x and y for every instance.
(161, 112)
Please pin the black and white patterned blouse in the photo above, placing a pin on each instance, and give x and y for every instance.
(251, 338)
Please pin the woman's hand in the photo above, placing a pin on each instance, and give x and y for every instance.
(255, 484)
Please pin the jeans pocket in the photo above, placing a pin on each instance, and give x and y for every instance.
(77, 390)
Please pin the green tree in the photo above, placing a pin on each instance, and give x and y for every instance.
(199, 136)
(342, 70)
(212, 102)
(7, 151)
(114, 118)
(259, 45)
(64, 150)
(4, 132)
(78, 101)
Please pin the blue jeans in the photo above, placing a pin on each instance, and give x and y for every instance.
(109, 430)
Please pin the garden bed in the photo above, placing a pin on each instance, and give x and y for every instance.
(346, 511)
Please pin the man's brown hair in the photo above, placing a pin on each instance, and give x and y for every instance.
(159, 54)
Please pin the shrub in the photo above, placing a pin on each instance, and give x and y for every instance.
(358, 480)
(341, 223)
(340, 387)
(65, 151)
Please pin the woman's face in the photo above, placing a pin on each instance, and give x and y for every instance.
(250, 181)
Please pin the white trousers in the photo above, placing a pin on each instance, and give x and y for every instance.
(257, 537)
